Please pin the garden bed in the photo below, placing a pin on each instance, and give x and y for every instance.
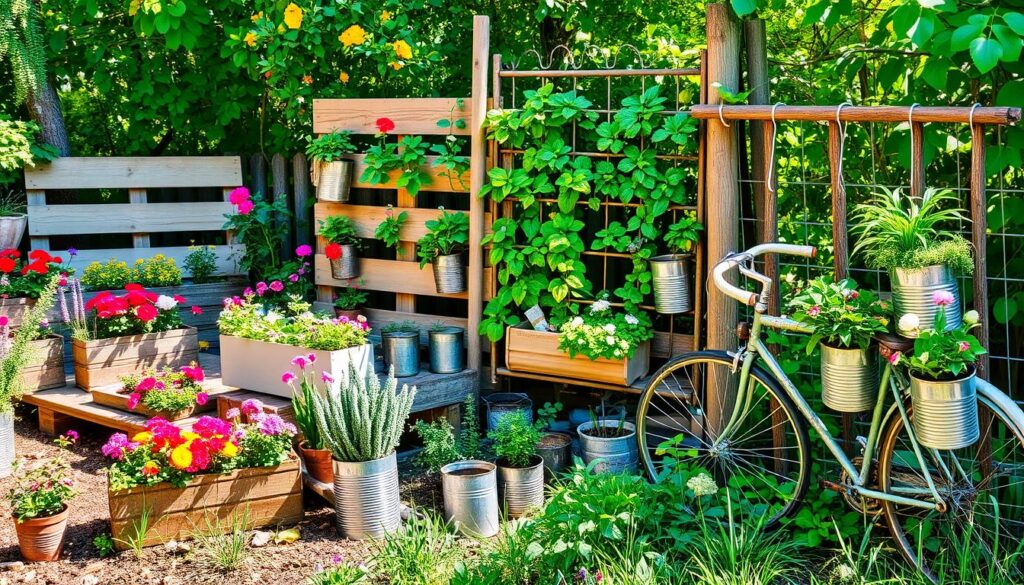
(102, 362)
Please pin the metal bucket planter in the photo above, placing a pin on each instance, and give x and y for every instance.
(12, 229)
(521, 488)
(42, 539)
(556, 451)
(347, 266)
(446, 350)
(449, 274)
(612, 454)
(673, 291)
(912, 292)
(335, 180)
(366, 499)
(471, 496)
(945, 412)
(849, 378)
(402, 351)
(501, 404)
(6, 442)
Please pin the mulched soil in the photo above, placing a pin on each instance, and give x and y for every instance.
(81, 564)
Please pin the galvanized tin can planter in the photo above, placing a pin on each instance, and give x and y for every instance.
(521, 488)
(556, 451)
(673, 289)
(6, 442)
(945, 412)
(347, 266)
(42, 539)
(366, 498)
(447, 354)
(849, 378)
(501, 404)
(612, 454)
(913, 290)
(335, 181)
(470, 491)
(402, 352)
(449, 274)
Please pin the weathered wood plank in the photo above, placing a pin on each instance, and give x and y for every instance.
(226, 256)
(368, 217)
(439, 181)
(411, 116)
(391, 276)
(111, 172)
(126, 218)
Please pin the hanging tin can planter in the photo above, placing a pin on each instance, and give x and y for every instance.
(366, 497)
(447, 355)
(335, 180)
(849, 378)
(402, 352)
(470, 491)
(673, 288)
(913, 292)
(449, 274)
(945, 412)
(346, 266)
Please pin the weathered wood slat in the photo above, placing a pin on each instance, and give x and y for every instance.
(226, 256)
(368, 217)
(439, 181)
(126, 218)
(897, 114)
(390, 276)
(411, 116)
(667, 344)
(135, 172)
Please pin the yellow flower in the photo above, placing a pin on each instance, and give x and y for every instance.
(280, 28)
(353, 35)
(307, 79)
(230, 449)
(257, 16)
(204, 345)
(134, 7)
(143, 437)
(189, 435)
(343, 77)
(402, 49)
(293, 15)
(385, 16)
(396, 65)
(181, 456)
(250, 39)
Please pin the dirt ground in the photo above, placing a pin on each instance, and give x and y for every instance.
(81, 564)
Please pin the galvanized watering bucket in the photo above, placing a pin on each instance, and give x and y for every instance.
(447, 355)
(945, 412)
(6, 442)
(366, 499)
(449, 274)
(347, 266)
(402, 350)
(500, 404)
(672, 285)
(521, 488)
(913, 290)
(849, 378)
(471, 496)
(335, 180)
(613, 454)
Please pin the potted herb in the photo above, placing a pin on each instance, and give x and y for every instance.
(329, 171)
(158, 478)
(407, 158)
(442, 246)
(343, 246)
(256, 344)
(349, 301)
(315, 455)
(520, 469)
(554, 448)
(845, 321)
(446, 346)
(39, 503)
(609, 444)
(390, 229)
(671, 272)
(18, 149)
(905, 236)
(942, 379)
(168, 393)
(22, 280)
(361, 423)
(401, 345)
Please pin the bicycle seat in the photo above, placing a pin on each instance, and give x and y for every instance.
(890, 343)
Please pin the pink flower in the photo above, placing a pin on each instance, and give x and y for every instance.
(194, 373)
(277, 286)
(261, 287)
(232, 414)
(63, 279)
(202, 398)
(942, 298)
(4, 321)
(326, 377)
(288, 377)
(146, 384)
(964, 346)
(72, 435)
(895, 357)
(248, 292)
(303, 251)
(251, 407)
(300, 361)
(311, 358)
(133, 400)
(245, 207)
(197, 310)
(814, 311)
(238, 195)
(293, 277)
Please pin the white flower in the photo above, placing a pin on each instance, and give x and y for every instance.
(702, 485)
(618, 353)
(273, 317)
(632, 320)
(909, 322)
(577, 321)
(923, 357)
(845, 573)
(623, 344)
(971, 317)
(165, 303)
(599, 306)
(300, 99)
(610, 328)
(610, 340)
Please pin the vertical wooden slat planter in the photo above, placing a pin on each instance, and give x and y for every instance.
(102, 362)
(264, 496)
(46, 364)
(537, 352)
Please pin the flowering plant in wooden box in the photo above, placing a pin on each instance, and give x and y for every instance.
(166, 390)
(601, 332)
(26, 278)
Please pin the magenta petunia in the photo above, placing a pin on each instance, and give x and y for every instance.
(202, 398)
(277, 286)
(303, 251)
(252, 406)
(288, 377)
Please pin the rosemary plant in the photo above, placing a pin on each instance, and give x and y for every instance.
(14, 350)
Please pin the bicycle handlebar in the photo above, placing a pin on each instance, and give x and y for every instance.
(732, 261)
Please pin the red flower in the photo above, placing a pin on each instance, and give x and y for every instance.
(10, 253)
(194, 373)
(197, 310)
(179, 299)
(385, 125)
(40, 255)
(99, 299)
(333, 251)
(146, 313)
(7, 265)
(37, 266)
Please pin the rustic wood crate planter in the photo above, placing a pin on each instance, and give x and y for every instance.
(111, 396)
(258, 365)
(102, 362)
(16, 309)
(265, 496)
(537, 352)
(46, 366)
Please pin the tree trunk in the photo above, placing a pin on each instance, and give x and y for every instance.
(44, 108)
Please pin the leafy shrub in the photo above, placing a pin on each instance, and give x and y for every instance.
(515, 439)
(157, 271)
(446, 235)
(201, 263)
(111, 275)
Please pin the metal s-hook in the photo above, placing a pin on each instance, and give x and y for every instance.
(910, 121)
(970, 116)
(842, 138)
(771, 153)
(720, 116)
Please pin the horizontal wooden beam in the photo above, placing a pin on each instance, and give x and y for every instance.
(949, 114)
(391, 276)
(368, 217)
(411, 116)
(126, 218)
(112, 172)
(226, 257)
(439, 181)
(562, 73)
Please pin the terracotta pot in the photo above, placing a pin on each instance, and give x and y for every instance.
(350, 313)
(42, 539)
(318, 463)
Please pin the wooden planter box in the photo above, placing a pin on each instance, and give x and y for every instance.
(537, 352)
(111, 396)
(16, 309)
(46, 364)
(267, 496)
(258, 365)
(102, 362)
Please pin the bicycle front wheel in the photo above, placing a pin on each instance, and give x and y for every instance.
(763, 459)
(981, 531)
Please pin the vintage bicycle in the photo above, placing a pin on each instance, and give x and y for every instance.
(759, 446)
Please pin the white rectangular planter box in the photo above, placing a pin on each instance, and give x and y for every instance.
(257, 365)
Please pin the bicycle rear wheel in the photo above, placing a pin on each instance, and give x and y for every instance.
(765, 460)
(982, 531)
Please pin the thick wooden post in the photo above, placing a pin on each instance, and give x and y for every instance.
(723, 203)
(303, 209)
(478, 170)
(758, 83)
(279, 173)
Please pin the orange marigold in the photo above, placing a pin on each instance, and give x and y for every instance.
(402, 49)
(293, 15)
(250, 39)
(353, 35)
(343, 77)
